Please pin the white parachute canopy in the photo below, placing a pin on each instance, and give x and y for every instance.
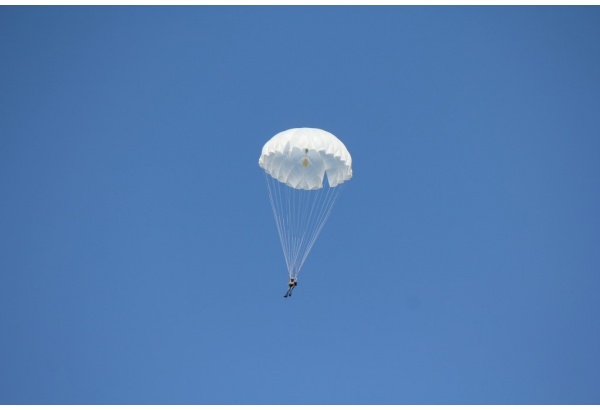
(296, 162)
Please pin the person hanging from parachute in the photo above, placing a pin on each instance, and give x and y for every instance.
(292, 284)
(305, 171)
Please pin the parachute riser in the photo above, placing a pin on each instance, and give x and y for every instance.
(300, 216)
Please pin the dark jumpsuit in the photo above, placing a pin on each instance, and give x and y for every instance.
(292, 285)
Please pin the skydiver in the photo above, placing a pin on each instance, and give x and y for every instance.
(292, 284)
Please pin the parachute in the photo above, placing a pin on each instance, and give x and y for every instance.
(296, 162)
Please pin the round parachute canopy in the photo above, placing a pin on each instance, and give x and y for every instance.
(301, 157)
(295, 164)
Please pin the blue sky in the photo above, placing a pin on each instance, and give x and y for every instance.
(140, 260)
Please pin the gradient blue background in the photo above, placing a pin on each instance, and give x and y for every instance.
(139, 257)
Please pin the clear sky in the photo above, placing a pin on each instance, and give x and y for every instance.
(140, 262)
